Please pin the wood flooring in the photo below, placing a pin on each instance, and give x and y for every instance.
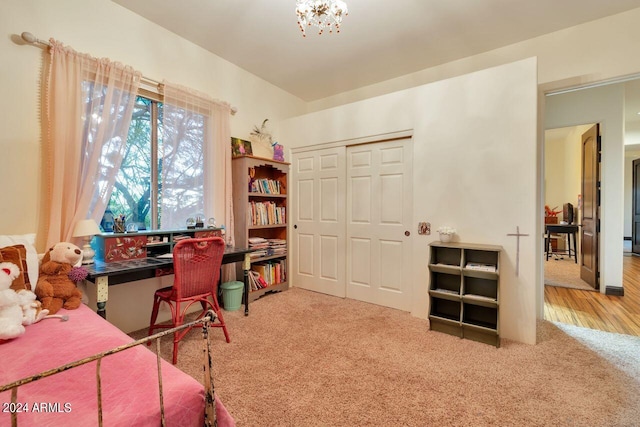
(598, 311)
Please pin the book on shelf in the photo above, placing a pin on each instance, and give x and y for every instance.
(480, 267)
(265, 186)
(272, 272)
(266, 213)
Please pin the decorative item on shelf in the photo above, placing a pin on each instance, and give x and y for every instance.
(212, 222)
(107, 221)
(551, 212)
(262, 141)
(132, 227)
(191, 223)
(446, 234)
(86, 228)
(199, 222)
(240, 147)
(278, 152)
(324, 14)
(118, 224)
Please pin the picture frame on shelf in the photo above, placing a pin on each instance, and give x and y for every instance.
(240, 147)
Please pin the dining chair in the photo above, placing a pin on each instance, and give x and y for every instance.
(196, 265)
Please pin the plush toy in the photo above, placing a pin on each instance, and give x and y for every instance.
(55, 289)
(10, 308)
(32, 311)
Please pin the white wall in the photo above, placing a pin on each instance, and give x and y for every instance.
(587, 53)
(604, 105)
(104, 29)
(474, 163)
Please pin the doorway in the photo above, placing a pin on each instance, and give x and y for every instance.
(563, 201)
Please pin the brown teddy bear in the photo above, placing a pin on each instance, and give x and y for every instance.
(55, 289)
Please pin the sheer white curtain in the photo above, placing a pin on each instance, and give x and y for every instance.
(88, 106)
(196, 159)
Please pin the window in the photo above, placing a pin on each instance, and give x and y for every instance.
(135, 193)
(162, 179)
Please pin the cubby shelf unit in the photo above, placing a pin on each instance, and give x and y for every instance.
(464, 290)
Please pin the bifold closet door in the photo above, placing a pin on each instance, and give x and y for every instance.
(318, 221)
(379, 212)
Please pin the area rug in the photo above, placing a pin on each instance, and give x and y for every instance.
(565, 273)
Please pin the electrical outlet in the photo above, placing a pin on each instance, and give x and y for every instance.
(424, 228)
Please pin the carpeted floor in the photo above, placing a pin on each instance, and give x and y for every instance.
(307, 359)
(564, 272)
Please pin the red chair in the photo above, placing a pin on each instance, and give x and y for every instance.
(196, 265)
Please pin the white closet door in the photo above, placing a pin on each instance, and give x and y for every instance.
(379, 210)
(318, 234)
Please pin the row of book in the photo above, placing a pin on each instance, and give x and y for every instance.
(267, 247)
(265, 186)
(266, 213)
(266, 274)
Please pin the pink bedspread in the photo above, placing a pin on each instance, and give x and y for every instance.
(129, 379)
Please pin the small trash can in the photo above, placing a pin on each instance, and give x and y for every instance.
(232, 295)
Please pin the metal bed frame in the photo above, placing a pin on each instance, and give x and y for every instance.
(210, 405)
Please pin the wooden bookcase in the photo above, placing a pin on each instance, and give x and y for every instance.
(464, 291)
(260, 211)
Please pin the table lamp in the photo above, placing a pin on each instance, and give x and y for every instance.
(86, 228)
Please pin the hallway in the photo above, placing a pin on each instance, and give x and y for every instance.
(595, 310)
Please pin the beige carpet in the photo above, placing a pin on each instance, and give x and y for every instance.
(564, 272)
(307, 359)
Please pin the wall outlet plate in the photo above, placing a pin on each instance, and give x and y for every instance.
(424, 228)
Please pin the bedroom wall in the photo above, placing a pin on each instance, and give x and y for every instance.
(587, 53)
(474, 162)
(105, 29)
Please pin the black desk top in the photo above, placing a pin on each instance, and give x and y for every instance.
(562, 228)
(99, 268)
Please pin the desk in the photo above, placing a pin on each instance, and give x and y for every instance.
(568, 229)
(113, 273)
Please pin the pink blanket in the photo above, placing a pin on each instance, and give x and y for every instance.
(129, 379)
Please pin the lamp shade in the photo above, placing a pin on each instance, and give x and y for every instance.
(86, 227)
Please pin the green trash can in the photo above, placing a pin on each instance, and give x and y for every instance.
(232, 295)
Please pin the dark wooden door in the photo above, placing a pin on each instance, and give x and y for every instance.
(635, 227)
(590, 206)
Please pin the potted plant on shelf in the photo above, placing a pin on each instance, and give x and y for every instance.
(446, 233)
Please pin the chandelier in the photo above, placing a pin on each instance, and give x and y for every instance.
(321, 13)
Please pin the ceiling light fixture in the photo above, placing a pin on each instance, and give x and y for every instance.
(321, 13)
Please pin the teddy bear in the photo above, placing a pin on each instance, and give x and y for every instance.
(55, 289)
(10, 307)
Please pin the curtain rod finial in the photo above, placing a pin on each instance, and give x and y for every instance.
(28, 37)
(234, 110)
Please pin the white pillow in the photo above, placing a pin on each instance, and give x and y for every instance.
(33, 263)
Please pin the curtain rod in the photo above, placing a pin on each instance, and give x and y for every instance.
(31, 39)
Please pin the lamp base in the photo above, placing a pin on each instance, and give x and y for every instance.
(87, 254)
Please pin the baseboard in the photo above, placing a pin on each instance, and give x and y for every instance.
(614, 290)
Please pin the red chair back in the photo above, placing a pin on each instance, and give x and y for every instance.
(196, 265)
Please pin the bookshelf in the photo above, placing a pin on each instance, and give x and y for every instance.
(260, 213)
(464, 292)
(114, 247)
